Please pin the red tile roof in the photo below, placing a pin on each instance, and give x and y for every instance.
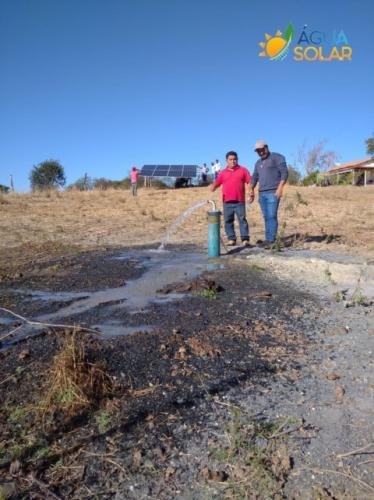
(366, 163)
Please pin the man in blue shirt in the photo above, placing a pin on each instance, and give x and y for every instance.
(271, 174)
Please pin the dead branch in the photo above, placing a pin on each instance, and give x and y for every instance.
(344, 474)
(355, 452)
(366, 462)
(43, 487)
(39, 323)
(287, 431)
(10, 333)
(107, 458)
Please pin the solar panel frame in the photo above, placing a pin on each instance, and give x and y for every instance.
(174, 171)
(162, 170)
(147, 170)
(189, 171)
(169, 171)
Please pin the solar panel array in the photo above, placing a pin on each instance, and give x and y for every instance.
(169, 171)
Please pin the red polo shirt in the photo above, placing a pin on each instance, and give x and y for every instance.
(232, 182)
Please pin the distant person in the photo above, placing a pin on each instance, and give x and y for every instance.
(204, 174)
(134, 175)
(216, 168)
(271, 174)
(233, 179)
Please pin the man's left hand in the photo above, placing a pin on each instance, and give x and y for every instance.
(279, 193)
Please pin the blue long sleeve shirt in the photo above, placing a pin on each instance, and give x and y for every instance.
(269, 172)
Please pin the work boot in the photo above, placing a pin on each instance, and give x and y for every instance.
(267, 245)
(231, 243)
(246, 243)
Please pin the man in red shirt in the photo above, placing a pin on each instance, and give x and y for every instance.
(134, 174)
(233, 179)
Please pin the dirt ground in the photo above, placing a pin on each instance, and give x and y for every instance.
(255, 381)
(34, 226)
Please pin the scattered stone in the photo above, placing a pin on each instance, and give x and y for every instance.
(169, 472)
(182, 353)
(337, 330)
(297, 312)
(339, 394)
(15, 468)
(25, 353)
(214, 475)
(136, 459)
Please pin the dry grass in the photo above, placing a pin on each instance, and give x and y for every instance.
(38, 225)
(74, 384)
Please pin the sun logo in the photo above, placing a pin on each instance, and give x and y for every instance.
(276, 47)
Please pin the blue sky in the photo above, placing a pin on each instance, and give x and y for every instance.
(102, 85)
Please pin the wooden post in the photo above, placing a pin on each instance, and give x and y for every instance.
(365, 171)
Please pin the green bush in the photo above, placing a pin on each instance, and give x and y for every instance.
(294, 176)
(311, 179)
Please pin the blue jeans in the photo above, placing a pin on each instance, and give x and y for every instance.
(269, 204)
(229, 211)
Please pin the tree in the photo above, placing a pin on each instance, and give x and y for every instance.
(294, 176)
(370, 146)
(311, 179)
(103, 184)
(48, 174)
(84, 183)
(316, 158)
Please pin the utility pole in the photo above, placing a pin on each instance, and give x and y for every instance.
(11, 183)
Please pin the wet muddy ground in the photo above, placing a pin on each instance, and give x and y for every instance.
(223, 381)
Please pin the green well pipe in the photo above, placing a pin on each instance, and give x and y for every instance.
(214, 239)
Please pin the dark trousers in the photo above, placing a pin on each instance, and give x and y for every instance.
(229, 211)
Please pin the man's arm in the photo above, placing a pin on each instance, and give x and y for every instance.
(282, 166)
(213, 186)
(279, 191)
(216, 183)
(254, 180)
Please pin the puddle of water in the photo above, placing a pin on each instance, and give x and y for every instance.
(6, 321)
(53, 296)
(115, 329)
(214, 266)
(161, 269)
